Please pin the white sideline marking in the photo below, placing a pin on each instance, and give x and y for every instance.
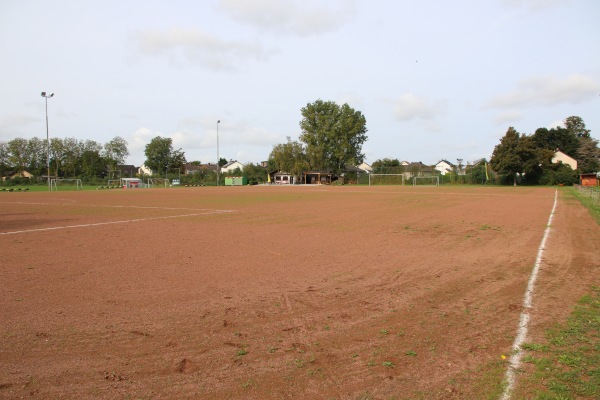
(113, 206)
(517, 353)
(112, 222)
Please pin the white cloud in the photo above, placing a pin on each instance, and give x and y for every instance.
(15, 123)
(290, 16)
(137, 141)
(352, 100)
(556, 124)
(548, 91)
(409, 107)
(244, 133)
(234, 138)
(196, 46)
(246, 157)
(508, 117)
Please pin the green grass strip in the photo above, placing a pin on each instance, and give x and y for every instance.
(589, 203)
(567, 366)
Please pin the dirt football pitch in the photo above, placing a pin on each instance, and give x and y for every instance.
(280, 292)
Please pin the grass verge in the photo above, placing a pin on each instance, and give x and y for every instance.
(567, 365)
(587, 202)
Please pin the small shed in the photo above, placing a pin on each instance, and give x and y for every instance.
(318, 178)
(281, 178)
(590, 179)
(236, 180)
(131, 183)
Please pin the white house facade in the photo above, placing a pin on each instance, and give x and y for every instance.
(365, 167)
(232, 166)
(143, 170)
(560, 157)
(444, 167)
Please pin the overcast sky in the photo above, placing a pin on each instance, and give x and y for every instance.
(435, 79)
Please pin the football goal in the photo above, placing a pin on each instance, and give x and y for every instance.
(386, 179)
(66, 183)
(157, 182)
(426, 181)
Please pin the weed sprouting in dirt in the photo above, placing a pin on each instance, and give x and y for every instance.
(487, 227)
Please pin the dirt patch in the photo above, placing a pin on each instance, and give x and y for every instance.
(264, 292)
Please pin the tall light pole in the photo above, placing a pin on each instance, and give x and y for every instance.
(47, 96)
(218, 122)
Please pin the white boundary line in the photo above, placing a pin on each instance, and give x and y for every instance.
(112, 222)
(113, 206)
(515, 358)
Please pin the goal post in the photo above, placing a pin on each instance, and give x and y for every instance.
(55, 183)
(426, 180)
(386, 179)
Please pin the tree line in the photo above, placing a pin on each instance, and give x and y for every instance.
(520, 158)
(331, 139)
(68, 157)
(528, 158)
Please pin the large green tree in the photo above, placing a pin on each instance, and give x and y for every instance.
(556, 139)
(19, 154)
(516, 154)
(255, 173)
(333, 135)
(57, 156)
(588, 153)
(289, 157)
(4, 158)
(160, 155)
(73, 149)
(576, 126)
(387, 166)
(92, 164)
(115, 152)
(38, 155)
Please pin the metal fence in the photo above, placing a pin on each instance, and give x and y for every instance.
(591, 192)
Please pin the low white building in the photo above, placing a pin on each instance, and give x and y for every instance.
(131, 183)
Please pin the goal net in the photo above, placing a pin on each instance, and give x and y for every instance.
(66, 184)
(156, 182)
(386, 179)
(426, 181)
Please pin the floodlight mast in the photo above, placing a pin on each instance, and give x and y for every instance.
(218, 122)
(47, 96)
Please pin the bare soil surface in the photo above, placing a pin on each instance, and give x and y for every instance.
(280, 292)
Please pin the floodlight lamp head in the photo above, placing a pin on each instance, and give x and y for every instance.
(43, 94)
(218, 121)
(52, 95)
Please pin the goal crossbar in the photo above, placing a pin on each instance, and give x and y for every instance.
(426, 180)
(55, 182)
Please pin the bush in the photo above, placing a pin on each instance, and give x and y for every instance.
(559, 174)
